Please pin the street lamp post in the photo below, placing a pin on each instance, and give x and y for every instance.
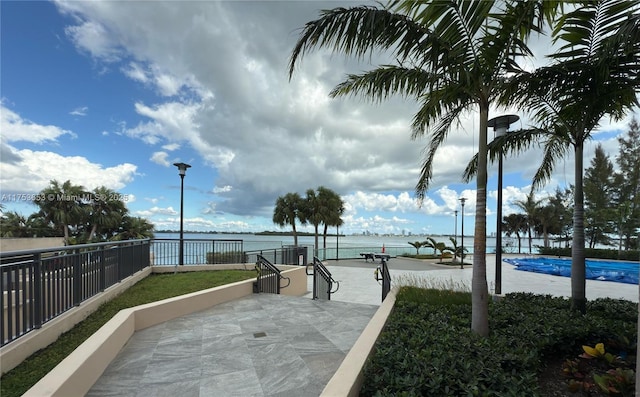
(182, 170)
(455, 233)
(462, 200)
(500, 127)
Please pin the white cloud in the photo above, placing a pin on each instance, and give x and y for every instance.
(35, 169)
(220, 71)
(16, 129)
(156, 211)
(95, 39)
(160, 158)
(79, 111)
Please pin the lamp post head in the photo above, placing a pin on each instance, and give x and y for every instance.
(501, 124)
(182, 168)
(462, 200)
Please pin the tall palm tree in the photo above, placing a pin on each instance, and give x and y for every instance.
(514, 224)
(530, 206)
(594, 74)
(312, 213)
(451, 56)
(286, 212)
(333, 208)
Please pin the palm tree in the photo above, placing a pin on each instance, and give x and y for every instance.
(286, 212)
(430, 242)
(62, 205)
(312, 213)
(514, 224)
(416, 245)
(332, 208)
(133, 228)
(105, 211)
(451, 57)
(593, 75)
(12, 224)
(530, 206)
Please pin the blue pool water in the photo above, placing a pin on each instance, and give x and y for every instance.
(620, 272)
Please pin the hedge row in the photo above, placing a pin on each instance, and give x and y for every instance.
(428, 349)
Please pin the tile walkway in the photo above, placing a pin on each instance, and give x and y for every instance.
(276, 345)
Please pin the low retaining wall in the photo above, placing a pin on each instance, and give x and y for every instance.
(77, 373)
(12, 354)
(347, 380)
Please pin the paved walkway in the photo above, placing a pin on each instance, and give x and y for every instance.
(276, 345)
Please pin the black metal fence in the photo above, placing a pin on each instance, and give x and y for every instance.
(287, 255)
(39, 285)
(322, 281)
(269, 277)
(197, 251)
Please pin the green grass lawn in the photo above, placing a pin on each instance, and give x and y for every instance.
(151, 289)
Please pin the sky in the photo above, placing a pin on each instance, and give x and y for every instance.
(112, 93)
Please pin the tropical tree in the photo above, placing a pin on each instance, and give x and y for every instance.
(133, 228)
(105, 211)
(562, 203)
(287, 211)
(530, 206)
(599, 190)
(13, 224)
(515, 224)
(458, 250)
(451, 57)
(628, 183)
(332, 208)
(546, 222)
(430, 242)
(593, 74)
(312, 213)
(442, 248)
(416, 245)
(63, 206)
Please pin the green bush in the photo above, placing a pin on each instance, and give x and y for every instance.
(428, 349)
(593, 253)
(214, 258)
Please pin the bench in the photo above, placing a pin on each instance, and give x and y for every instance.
(375, 255)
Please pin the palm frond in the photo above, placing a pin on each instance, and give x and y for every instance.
(358, 30)
(386, 80)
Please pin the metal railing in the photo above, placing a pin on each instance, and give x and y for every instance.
(382, 274)
(287, 255)
(39, 285)
(197, 251)
(322, 280)
(354, 252)
(269, 277)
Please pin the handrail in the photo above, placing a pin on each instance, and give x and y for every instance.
(325, 276)
(267, 283)
(382, 274)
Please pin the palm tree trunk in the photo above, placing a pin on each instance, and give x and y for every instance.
(578, 271)
(479, 289)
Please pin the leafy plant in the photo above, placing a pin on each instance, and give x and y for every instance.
(617, 381)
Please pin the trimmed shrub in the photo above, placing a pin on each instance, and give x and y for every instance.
(428, 349)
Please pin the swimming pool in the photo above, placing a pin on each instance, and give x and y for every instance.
(620, 272)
